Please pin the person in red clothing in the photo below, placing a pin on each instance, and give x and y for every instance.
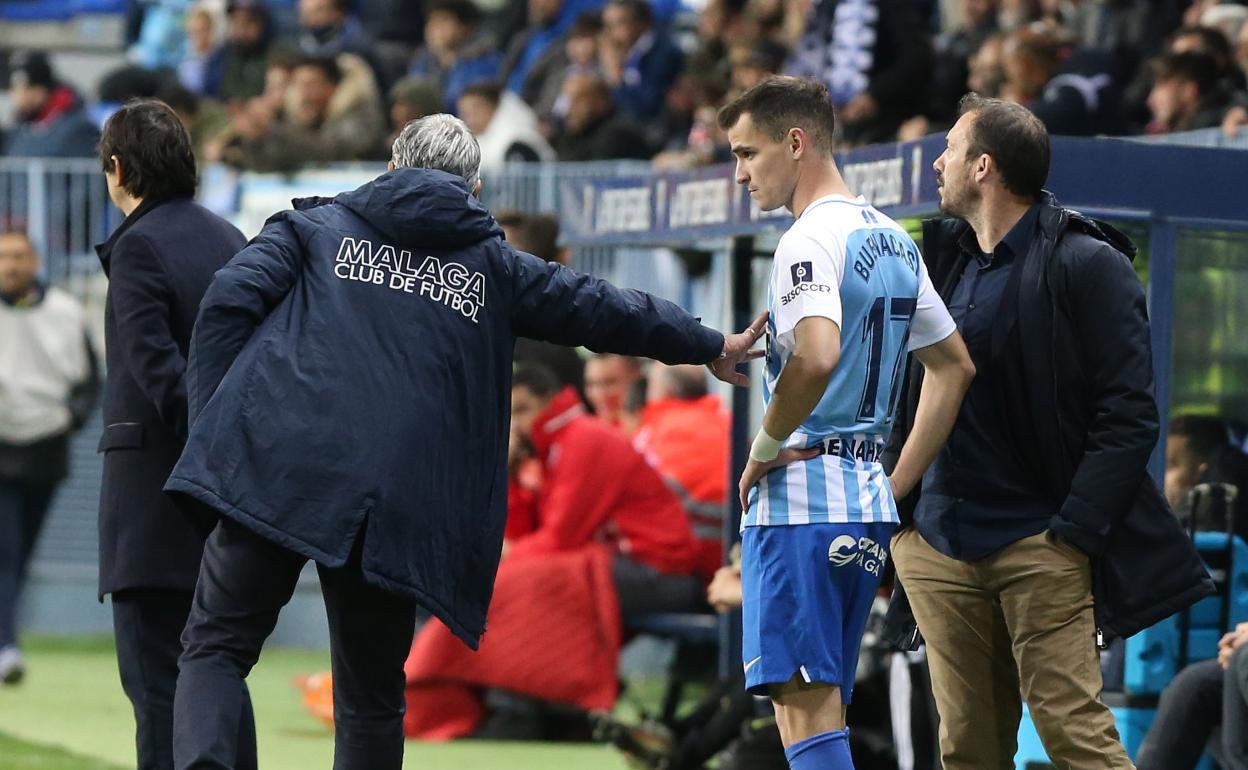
(684, 434)
(596, 487)
(608, 378)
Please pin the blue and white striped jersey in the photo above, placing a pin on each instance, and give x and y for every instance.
(845, 261)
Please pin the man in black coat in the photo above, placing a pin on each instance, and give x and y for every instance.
(1037, 529)
(350, 382)
(159, 262)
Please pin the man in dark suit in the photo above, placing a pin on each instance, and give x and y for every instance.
(159, 263)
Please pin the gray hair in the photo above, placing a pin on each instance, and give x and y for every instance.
(440, 142)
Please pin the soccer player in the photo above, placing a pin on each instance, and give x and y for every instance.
(848, 297)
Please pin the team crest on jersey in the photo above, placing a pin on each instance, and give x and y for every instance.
(801, 272)
(863, 551)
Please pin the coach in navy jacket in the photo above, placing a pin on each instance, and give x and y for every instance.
(159, 261)
(349, 395)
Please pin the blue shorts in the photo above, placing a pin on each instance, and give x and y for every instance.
(808, 590)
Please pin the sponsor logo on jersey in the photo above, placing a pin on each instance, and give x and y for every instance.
(801, 272)
(805, 288)
(847, 550)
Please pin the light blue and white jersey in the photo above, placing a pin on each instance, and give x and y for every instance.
(845, 261)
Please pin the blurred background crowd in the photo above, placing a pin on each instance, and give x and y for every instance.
(277, 85)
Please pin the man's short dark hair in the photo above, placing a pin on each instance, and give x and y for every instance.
(588, 24)
(1205, 435)
(465, 12)
(1198, 68)
(639, 9)
(1212, 42)
(540, 380)
(488, 90)
(781, 103)
(154, 149)
(328, 66)
(1014, 137)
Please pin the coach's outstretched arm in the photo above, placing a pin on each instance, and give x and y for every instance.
(948, 372)
(560, 305)
(239, 298)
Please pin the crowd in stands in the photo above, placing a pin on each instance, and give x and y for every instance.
(270, 87)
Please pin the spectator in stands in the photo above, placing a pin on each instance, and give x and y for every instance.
(751, 61)
(1204, 707)
(48, 387)
(1212, 43)
(326, 29)
(702, 142)
(1073, 95)
(456, 54)
(684, 435)
(720, 22)
(329, 118)
(539, 42)
(1185, 94)
(876, 58)
(50, 119)
(986, 75)
(1228, 19)
(955, 50)
(411, 98)
(580, 56)
(201, 66)
(1199, 452)
(506, 128)
(592, 129)
(1195, 40)
(161, 43)
(203, 119)
(250, 48)
(159, 262)
(607, 380)
(639, 61)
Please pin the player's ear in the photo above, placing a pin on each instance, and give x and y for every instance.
(984, 165)
(797, 142)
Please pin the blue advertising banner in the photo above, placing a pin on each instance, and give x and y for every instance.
(1105, 175)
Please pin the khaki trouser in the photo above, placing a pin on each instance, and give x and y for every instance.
(1018, 619)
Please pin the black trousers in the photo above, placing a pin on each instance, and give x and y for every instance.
(244, 581)
(23, 508)
(1201, 699)
(147, 624)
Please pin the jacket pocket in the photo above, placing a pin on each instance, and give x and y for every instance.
(121, 435)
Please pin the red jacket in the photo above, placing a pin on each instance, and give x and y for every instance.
(687, 442)
(597, 488)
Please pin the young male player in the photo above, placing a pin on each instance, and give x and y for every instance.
(848, 296)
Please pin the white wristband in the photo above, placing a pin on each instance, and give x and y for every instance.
(765, 448)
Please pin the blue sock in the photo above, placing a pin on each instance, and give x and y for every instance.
(825, 751)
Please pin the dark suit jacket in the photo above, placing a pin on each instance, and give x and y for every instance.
(159, 263)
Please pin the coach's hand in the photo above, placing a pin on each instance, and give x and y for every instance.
(754, 470)
(737, 351)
